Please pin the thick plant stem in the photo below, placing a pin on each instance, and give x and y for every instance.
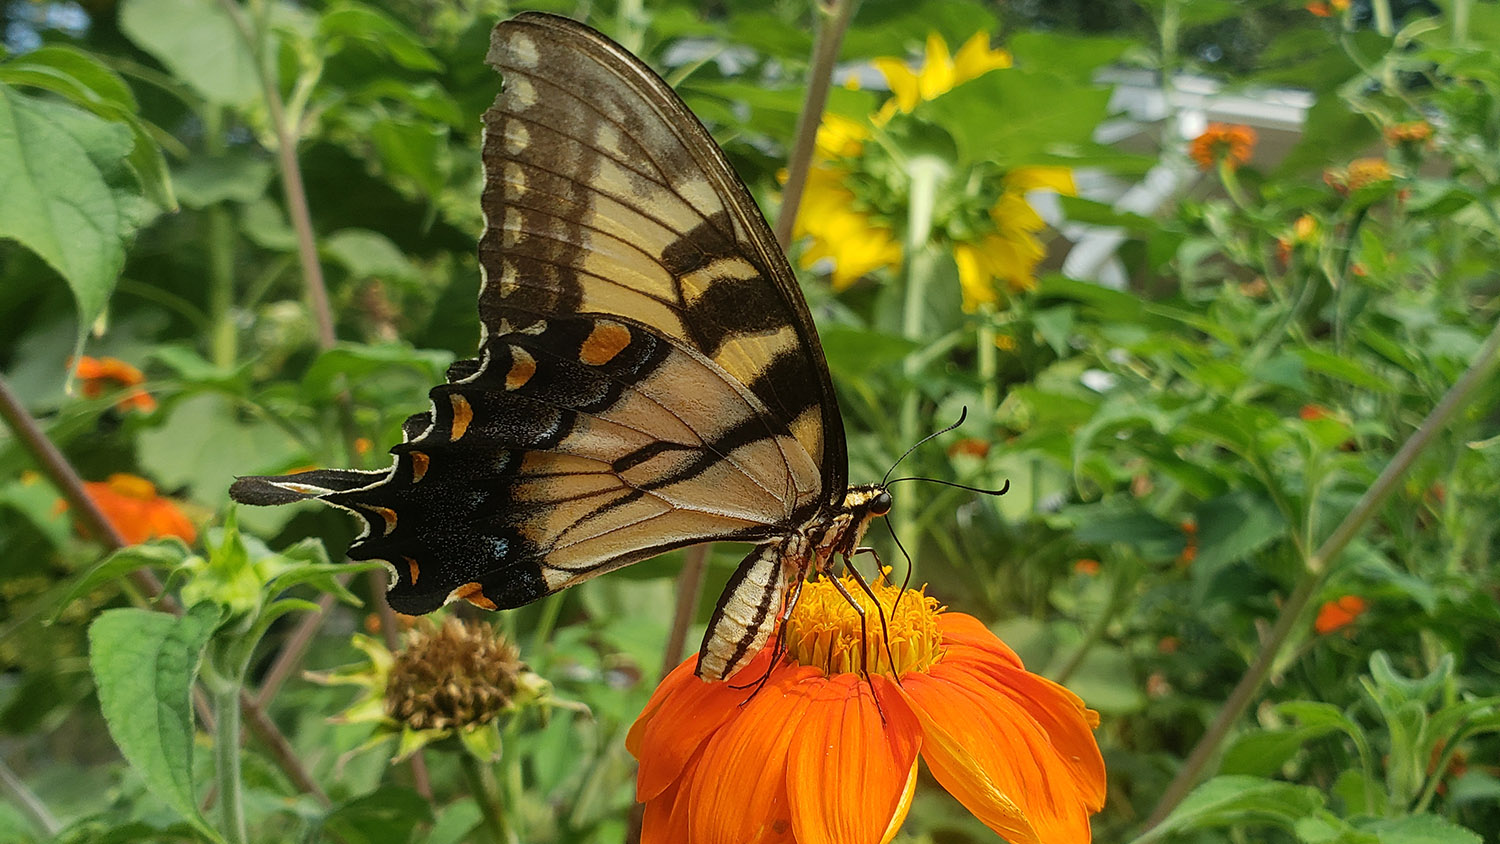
(227, 764)
(833, 18)
(486, 793)
(1317, 563)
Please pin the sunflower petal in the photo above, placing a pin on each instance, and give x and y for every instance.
(848, 768)
(992, 755)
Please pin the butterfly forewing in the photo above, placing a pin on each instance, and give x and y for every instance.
(648, 378)
(605, 195)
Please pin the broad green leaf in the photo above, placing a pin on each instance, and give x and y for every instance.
(89, 84)
(204, 443)
(199, 43)
(144, 664)
(855, 352)
(59, 200)
(206, 181)
(1226, 801)
(1264, 752)
(368, 254)
(1015, 118)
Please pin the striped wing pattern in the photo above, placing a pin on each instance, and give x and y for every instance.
(648, 378)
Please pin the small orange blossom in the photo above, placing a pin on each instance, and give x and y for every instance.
(1221, 141)
(1339, 613)
(98, 376)
(133, 508)
(823, 754)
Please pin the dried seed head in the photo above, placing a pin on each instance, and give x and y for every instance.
(456, 675)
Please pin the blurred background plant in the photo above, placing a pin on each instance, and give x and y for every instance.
(1197, 270)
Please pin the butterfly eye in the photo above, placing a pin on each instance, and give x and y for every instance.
(881, 504)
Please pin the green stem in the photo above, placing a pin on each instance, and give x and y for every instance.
(1118, 598)
(486, 793)
(988, 359)
(1244, 692)
(227, 762)
(223, 345)
(31, 805)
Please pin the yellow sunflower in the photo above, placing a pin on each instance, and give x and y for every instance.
(853, 230)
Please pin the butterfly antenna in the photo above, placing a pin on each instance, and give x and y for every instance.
(1001, 491)
(963, 414)
(905, 581)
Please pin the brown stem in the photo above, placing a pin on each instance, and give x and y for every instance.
(1244, 692)
(291, 178)
(689, 588)
(834, 17)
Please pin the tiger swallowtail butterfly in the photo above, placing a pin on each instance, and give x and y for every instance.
(648, 375)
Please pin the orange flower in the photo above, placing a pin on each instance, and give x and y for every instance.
(1085, 566)
(1338, 613)
(136, 511)
(1411, 134)
(1220, 141)
(102, 375)
(823, 754)
(1313, 412)
(1325, 10)
(1190, 543)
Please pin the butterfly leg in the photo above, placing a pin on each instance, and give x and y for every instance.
(885, 630)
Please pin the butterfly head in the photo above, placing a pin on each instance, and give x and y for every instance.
(866, 502)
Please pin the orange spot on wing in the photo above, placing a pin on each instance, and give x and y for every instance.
(415, 570)
(522, 367)
(419, 464)
(603, 343)
(474, 594)
(463, 414)
(387, 514)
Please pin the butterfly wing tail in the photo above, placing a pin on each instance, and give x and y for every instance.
(267, 490)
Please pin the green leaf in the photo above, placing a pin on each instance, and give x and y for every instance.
(356, 361)
(200, 46)
(1226, 801)
(416, 151)
(60, 165)
(144, 664)
(368, 254)
(387, 814)
(89, 84)
(1014, 117)
(1422, 829)
(206, 181)
(853, 353)
(169, 552)
(357, 22)
(203, 444)
(1231, 528)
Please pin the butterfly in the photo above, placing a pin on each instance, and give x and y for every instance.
(648, 376)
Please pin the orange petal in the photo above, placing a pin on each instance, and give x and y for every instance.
(665, 820)
(739, 792)
(1061, 714)
(681, 715)
(989, 752)
(847, 769)
(963, 630)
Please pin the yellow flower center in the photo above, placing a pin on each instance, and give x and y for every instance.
(132, 486)
(825, 629)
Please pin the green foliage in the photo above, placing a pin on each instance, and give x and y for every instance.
(1180, 447)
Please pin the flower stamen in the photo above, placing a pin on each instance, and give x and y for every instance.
(827, 631)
